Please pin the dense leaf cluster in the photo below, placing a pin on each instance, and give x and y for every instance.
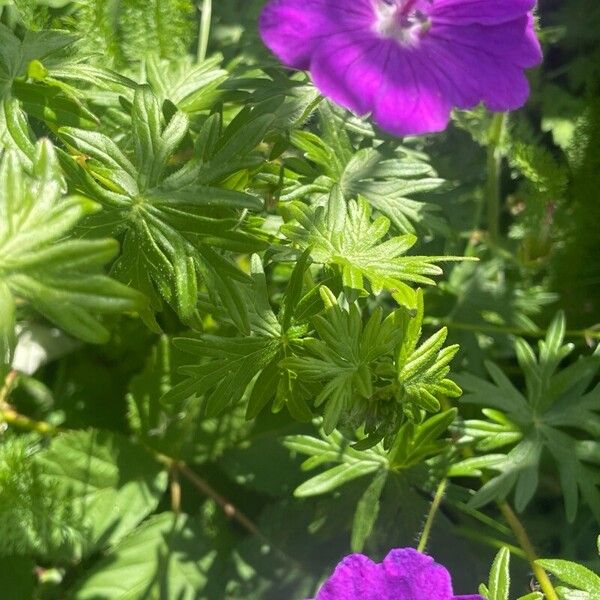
(212, 280)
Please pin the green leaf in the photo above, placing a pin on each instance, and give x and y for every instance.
(17, 577)
(175, 222)
(343, 235)
(499, 582)
(573, 574)
(367, 511)
(131, 31)
(167, 557)
(111, 483)
(191, 86)
(555, 405)
(333, 448)
(7, 328)
(343, 359)
(333, 478)
(59, 277)
(384, 176)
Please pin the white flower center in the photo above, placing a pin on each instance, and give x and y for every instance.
(405, 21)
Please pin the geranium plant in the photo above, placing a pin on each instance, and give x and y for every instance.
(299, 299)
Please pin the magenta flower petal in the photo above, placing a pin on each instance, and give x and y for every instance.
(356, 576)
(485, 12)
(408, 62)
(294, 29)
(404, 574)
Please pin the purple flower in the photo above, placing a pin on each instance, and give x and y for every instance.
(408, 62)
(404, 574)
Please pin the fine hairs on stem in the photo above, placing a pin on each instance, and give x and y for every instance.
(435, 505)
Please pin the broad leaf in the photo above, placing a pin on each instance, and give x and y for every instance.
(166, 558)
(111, 483)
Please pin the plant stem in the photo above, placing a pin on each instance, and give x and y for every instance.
(494, 167)
(175, 488)
(204, 34)
(207, 490)
(525, 543)
(9, 381)
(435, 505)
(10, 416)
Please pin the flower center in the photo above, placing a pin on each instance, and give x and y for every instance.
(405, 21)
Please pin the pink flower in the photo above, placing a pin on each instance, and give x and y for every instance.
(408, 62)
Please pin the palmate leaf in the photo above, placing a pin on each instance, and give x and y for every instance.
(61, 278)
(376, 373)
(343, 462)
(29, 87)
(344, 357)
(540, 421)
(177, 429)
(344, 235)
(191, 86)
(172, 222)
(333, 449)
(386, 178)
(228, 365)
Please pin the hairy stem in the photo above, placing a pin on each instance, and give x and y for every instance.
(204, 34)
(525, 543)
(494, 167)
(435, 505)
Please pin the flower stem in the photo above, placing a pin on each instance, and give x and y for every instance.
(494, 168)
(435, 505)
(525, 543)
(204, 34)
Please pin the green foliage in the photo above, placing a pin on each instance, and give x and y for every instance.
(288, 395)
(556, 403)
(498, 587)
(34, 518)
(574, 575)
(376, 372)
(343, 235)
(166, 557)
(176, 219)
(131, 30)
(385, 176)
(59, 277)
(110, 484)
